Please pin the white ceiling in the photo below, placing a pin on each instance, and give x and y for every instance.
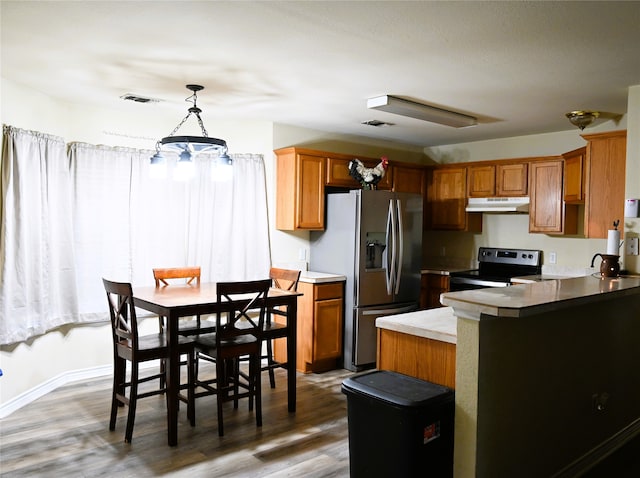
(518, 66)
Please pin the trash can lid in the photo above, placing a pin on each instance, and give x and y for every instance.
(396, 388)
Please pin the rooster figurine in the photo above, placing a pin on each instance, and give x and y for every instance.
(368, 177)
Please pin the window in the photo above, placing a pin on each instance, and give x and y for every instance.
(71, 217)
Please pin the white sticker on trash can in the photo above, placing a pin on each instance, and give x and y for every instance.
(431, 432)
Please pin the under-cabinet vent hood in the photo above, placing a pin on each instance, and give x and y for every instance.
(517, 204)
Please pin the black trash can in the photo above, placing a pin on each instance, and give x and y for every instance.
(399, 426)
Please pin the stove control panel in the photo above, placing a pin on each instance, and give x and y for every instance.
(520, 257)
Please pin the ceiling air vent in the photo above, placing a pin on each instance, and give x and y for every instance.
(377, 123)
(138, 98)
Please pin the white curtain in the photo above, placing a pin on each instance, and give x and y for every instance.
(120, 222)
(37, 272)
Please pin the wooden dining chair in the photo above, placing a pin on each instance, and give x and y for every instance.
(285, 279)
(130, 346)
(189, 275)
(238, 333)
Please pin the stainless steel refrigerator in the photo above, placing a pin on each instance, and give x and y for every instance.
(374, 239)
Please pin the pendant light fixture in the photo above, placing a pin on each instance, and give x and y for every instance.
(189, 146)
(582, 118)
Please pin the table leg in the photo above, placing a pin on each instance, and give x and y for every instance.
(173, 380)
(292, 326)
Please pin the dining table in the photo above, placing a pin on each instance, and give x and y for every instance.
(185, 300)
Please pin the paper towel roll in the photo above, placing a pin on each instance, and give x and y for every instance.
(613, 242)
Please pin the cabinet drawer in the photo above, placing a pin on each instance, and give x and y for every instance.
(332, 290)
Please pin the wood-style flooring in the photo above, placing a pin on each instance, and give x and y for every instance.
(66, 433)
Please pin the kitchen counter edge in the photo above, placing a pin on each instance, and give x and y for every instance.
(436, 324)
(537, 297)
(312, 277)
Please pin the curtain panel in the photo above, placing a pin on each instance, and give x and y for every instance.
(36, 236)
(71, 218)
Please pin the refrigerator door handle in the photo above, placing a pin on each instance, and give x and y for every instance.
(390, 266)
(394, 245)
(400, 245)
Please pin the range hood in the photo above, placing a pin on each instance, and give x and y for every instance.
(516, 204)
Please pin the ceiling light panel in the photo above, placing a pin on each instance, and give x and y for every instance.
(402, 107)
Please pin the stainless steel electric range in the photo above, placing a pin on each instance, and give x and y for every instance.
(496, 267)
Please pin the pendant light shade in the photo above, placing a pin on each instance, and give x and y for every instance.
(189, 146)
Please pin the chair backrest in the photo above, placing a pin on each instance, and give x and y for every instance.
(247, 314)
(285, 279)
(162, 275)
(124, 323)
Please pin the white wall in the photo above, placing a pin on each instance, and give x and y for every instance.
(632, 190)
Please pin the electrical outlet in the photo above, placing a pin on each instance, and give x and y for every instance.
(552, 258)
(631, 246)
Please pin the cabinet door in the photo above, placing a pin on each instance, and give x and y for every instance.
(604, 202)
(299, 190)
(327, 329)
(408, 180)
(310, 192)
(574, 163)
(432, 285)
(547, 208)
(482, 181)
(511, 179)
(338, 173)
(448, 200)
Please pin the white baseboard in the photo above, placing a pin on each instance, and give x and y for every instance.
(65, 378)
(50, 385)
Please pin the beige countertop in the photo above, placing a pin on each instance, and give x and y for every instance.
(536, 278)
(437, 324)
(537, 297)
(312, 277)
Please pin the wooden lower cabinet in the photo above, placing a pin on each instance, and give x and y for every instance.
(320, 322)
(431, 286)
(420, 357)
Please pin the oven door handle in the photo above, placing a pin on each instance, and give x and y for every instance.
(480, 282)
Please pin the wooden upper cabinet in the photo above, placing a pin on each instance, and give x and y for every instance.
(547, 210)
(338, 173)
(482, 181)
(447, 189)
(498, 180)
(407, 179)
(605, 182)
(300, 196)
(301, 177)
(512, 179)
(574, 167)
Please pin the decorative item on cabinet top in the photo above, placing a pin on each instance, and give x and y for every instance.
(368, 177)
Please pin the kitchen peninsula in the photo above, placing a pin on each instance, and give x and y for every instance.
(547, 375)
